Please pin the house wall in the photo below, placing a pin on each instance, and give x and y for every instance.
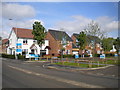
(13, 41)
(54, 45)
(74, 39)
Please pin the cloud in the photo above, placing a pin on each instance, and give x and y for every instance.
(19, 24)
(26, 24)
(17, 11)
(78, 23)
(108, 24)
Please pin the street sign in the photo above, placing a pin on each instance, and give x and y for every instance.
(18, 47)
(76, 56)
(102, 56)
(116, 55)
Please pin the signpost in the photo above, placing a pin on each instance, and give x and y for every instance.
(102, 56)
(76, 56)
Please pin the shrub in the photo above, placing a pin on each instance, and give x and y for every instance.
(21, 57)
(96, 55)
(8, 56)
(109, 55)
(66, 56)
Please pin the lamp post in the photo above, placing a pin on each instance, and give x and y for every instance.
(16, 40)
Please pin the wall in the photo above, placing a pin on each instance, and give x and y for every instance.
(54, 45)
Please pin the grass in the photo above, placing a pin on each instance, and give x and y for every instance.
(109, 62)
(76, 64)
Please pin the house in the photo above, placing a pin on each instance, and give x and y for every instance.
(75, 47)
(21, 42)
(3, 46)
(89, 47)
(58, 41)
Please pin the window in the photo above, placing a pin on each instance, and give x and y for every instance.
(24, 51)
(24, 41)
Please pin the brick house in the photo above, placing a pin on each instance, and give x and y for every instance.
(4, 45)
(89, 46)
(75, 47)
(56, 42)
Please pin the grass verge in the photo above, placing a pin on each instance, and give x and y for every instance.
(78, 65)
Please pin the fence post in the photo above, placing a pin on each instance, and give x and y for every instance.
(106, 62)
(51, 61)
(98, 63)
(78, 62)
(47, 58)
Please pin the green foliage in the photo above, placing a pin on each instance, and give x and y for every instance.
(21, 57)
(8, 56)
(39, 32)
(82, 40)
(107, 43)
(96, 55)
(109, 55)
(66, 56)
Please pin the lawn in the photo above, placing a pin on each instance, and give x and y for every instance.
(78, 65)
(109, 62)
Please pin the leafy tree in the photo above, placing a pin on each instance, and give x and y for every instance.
(82, 40)
(107, 43)
(39, 32)
(117, 44)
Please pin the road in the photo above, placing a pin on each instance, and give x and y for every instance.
(20, 74)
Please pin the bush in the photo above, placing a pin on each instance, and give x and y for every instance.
(96, 55)
(109, 55)
(21, 57)
(8, 56)
(66, 56)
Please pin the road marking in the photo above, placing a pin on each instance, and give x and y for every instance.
(72, 82)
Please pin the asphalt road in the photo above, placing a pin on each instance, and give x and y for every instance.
(19, 74)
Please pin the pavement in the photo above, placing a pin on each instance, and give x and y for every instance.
(20, 74)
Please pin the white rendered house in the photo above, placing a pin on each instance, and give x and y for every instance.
(21, 42)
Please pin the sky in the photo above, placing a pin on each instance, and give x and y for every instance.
(71, 17)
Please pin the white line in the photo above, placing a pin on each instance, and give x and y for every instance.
(80, 84)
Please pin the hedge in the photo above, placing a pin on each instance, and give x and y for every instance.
(67, 56)
(8, 56)
(13, 56)
(21, 57)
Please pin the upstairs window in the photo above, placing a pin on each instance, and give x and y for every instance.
(25, 42)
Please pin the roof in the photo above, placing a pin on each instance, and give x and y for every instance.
(75, 35)
(33, 46)
(4, 41)
(23, 33)
(89, 38)
(58, 35)
(95, 38)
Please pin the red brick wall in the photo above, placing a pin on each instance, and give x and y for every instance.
(74, 39)
(54, 45)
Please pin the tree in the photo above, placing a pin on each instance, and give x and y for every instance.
(107, 43)
(82, 40)
(39, 32)
(93, 29)
(117, 44)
